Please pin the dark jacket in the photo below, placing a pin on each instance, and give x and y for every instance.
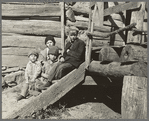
(76, 55)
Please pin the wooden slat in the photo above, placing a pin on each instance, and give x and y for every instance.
(52, 94)
(32, 27)
(30, 10)
(23, 41)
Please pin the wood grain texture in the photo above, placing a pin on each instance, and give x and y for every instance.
(134, 52)
(52, 94)
(31, 10)
(134, 98)
(118, 69)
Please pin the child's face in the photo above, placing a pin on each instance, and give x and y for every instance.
(52, 57)
(49, 43)
(72, 36)
(33, 58)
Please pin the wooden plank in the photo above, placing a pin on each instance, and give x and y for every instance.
(52, 94)
(121, 7)
(32, 27)
(137, 17)
(100, 13)
(23, 41)
(30, 10)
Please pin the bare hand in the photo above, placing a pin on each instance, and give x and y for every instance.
(61, 59)
(68, 50)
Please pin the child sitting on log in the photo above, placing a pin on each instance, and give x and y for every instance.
(32, 73)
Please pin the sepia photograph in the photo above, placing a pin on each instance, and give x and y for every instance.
(74, 60)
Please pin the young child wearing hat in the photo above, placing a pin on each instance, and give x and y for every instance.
(32, 73)
(53, 54)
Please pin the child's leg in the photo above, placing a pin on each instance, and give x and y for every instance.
(25, 89)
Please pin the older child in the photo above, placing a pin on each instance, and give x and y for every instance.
(32, 73)
(49, 42)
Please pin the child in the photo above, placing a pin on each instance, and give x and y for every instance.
(53, 54)
(49, 42)
(32, 73)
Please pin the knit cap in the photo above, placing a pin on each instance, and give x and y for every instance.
(54, 50)
(33, 52)
(49, 38)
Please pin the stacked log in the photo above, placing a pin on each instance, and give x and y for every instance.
(133, 52)
(118, 69)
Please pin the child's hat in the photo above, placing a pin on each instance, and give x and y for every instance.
(33, 52)
(54, 50)
(49, 38)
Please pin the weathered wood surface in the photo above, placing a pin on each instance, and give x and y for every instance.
(51, 95)
(24, 41)
(31, 10)
(109, 11)
(134, 98)
(118, 69)
(134, 52)
(137, 16)
(32, 27)
(108, 54)
(114, 32)
(13, 60)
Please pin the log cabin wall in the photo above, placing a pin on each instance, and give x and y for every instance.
(25, 25)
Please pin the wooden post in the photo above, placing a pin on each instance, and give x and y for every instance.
(100, 12)
(134, 98)
(63, 26)
(137, 16)
(89, 41)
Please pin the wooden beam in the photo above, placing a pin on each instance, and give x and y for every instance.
(118, 69)
(31, 10)
(63, 26)
(109, 11)
(121, 7)
(114, 32)
(52, 94)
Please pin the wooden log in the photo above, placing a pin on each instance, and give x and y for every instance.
(24, 41)
(133, 52)
(117, 69)
(137, 16)
(108, 54)
(51, 95)
(109, 11)
(134, 98)
(17, 77)
(13, 60)
(32, 27)
(31, 10)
